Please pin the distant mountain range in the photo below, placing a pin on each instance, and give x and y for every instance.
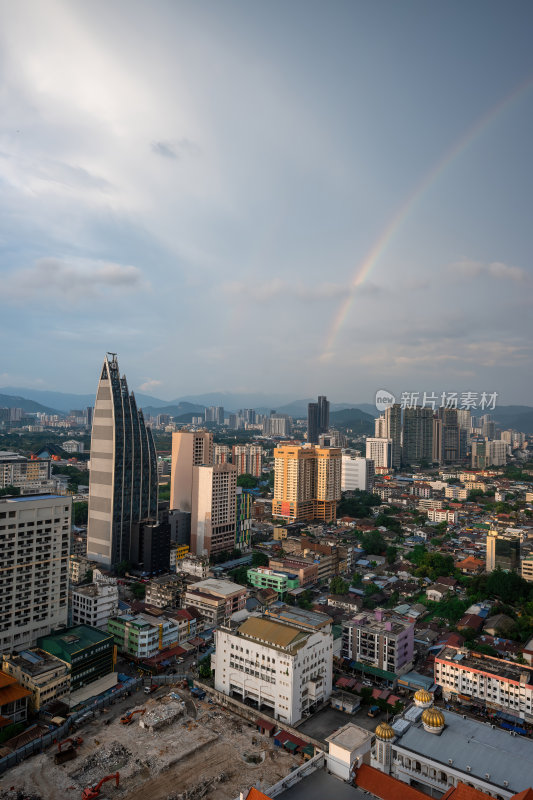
(354, 415)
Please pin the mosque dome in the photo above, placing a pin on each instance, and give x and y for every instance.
(433, 720)
(423, 698)
(384, 731)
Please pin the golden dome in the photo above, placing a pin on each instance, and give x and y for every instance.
(422, 696)
(433, 718)
(384, 731)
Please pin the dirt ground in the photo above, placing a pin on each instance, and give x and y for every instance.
(206, 752)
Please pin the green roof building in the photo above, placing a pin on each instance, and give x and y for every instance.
(90, 653)
(265, 578)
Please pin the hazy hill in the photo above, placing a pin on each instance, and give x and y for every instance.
(355, 419)
(15, 401)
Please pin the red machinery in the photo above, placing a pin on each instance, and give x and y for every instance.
(127, 719)
(74, 740)
(92, 792)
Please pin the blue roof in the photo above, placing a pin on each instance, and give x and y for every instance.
(37, 497)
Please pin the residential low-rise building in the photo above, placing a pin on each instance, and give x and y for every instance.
(143, 635)
(497, 684)
(44, 675)
(307, 572)
(195, 566)
(96, 602)
(265, 578)
(281, 665)
(164, 591)
(526, 568)
(379, 639)
(442, 515)
(78, 568)
(215, 599)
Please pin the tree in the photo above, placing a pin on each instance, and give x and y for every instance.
(12, 491)
(259, 559)
(88, 576)
(122, 568)
(247, 481)
(358, 504)
(391, 554)
(338, 586)
(204, 668)
(80, 513)
(373, 543)
(138, 590)
(240, 575)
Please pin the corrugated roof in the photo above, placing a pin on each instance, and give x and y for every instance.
(384, 786)
(6, 680)
(255, 794)
(11, 693)
(272, 632)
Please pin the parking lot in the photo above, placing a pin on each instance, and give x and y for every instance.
(325, 722)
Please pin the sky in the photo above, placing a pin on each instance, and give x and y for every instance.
(289, 196)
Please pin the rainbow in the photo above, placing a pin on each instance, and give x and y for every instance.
(378, 248)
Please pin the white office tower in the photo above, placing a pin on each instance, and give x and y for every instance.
(380, 452)
(35, 540)
(357, 473)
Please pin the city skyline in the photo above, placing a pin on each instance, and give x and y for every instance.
(335, 196)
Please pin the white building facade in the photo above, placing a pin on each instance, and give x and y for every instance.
(95, 603)
(380, 452)
(280, 668)
(357, 473)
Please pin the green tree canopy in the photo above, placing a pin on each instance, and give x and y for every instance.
(259, 559)
(373, 543)
(338, 586)
(247, 481)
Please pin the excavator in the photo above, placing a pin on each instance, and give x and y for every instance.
(67, 752)
(127, 719)
(92, 792)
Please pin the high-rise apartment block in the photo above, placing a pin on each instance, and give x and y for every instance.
(35, 537)
(417, 435)
(357, 473)
(307, 483)
(503, 551)
(277, 425)
(317, 419)
(123, 479)
(449, 433)
(389, 426)
(215, 414)
(213, 515)
(189, 449)
(380, 452)
(247, 458)
(221, 454)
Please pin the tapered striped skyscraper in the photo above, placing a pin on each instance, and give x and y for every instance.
(123, 478)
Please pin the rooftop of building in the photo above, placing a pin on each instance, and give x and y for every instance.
(10, 690)
(300, 617)
(93, 589)
(165, 580)
(69, 642)
(482, 663)
(319, 785)
(33, 497)
(475, 748)
(218, 587)
(349, 737)
(275, 634)
(385, 622)
(34, 662)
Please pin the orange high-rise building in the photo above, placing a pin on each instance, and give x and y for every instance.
(307, 483)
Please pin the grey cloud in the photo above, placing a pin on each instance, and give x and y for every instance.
(468, 268)
(174, 149)
(277, 289)
(76, 278)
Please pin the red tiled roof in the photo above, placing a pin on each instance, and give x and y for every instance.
(266, 726)
(255, 794)
(385, 787)
(11, 693)
(526, 794)
(464, 792)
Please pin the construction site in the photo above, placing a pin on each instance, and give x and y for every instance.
(174, 747)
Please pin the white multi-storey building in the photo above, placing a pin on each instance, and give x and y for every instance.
(498, 684)
(356, 473)
(34, 541)
(281, 663)
(95, 603)
(380, 452)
